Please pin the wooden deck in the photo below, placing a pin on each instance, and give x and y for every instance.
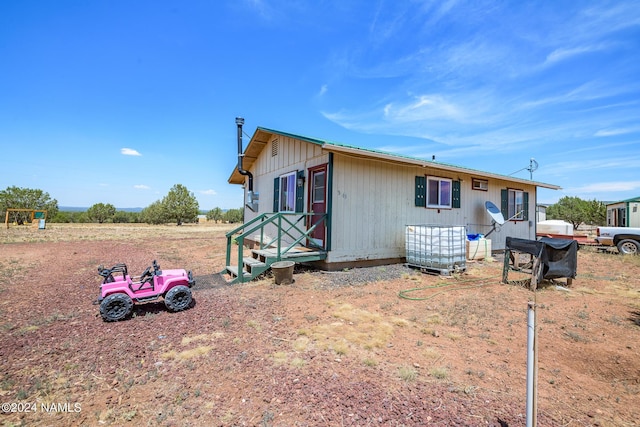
(298, 254)
(261, 260)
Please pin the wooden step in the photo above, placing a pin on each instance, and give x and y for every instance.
(233, 271)
(298, 254)
(253, 264)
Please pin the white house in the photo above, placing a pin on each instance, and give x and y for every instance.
(361, 200)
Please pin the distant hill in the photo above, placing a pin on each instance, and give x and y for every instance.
(80, 209)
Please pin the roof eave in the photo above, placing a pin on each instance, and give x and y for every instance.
(262, 136)
(353, 151)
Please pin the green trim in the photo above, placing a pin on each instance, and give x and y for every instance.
(329, 202)
(327, 145)
(316, 141)
(504, 202)
(288, 224)
(421, 191)
(421, 162)
(299, 193)
(455, 195)
(276, 194)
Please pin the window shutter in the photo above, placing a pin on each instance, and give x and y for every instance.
(504, 202)
(299, 193)
(276, 194)
(421, 191)
(455, 195)
(525, 205)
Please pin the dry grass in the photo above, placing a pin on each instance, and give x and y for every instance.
(187, 354)
(354, 326)
(461, 339)
(75, 232)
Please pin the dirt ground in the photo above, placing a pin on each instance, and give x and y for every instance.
(331, 349)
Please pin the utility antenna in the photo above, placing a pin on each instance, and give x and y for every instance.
(533, 165)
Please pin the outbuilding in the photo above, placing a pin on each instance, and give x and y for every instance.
(625, 213)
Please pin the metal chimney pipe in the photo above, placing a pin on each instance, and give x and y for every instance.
(240, 122)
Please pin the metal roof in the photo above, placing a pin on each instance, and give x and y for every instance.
(633, 199)
(262, 136)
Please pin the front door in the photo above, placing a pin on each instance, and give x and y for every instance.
(317, 203)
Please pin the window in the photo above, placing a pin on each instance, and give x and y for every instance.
(432, 192)
(318, 187)
(438, 192)
(480, 184)
(287, 202)
(288, 192)
(516, 204)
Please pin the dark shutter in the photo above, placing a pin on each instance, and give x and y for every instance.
(455, 195)
(276, 194)
(525, 204)
(504, 202)
(421, 190)
(299, 192)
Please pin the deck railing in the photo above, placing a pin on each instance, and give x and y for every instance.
(292, 225)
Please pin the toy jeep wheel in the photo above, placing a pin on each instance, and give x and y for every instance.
(178, 298)
(116, 307)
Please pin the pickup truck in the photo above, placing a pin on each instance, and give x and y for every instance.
(626, 239)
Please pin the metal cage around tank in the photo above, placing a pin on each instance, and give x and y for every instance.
(436, 248)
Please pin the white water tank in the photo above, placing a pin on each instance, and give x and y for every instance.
(436, 247)
(555, 226)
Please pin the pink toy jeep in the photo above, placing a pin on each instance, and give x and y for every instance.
(118, 290)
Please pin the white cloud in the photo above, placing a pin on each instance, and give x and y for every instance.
(613, 163)
(606, 187)
(565, 53)
(208, 192)
(613, 132)
(424, 107)
(129, 152)
(141, 187)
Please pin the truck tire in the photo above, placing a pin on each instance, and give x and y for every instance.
(178, 298)
(628, 247)
(116, 307)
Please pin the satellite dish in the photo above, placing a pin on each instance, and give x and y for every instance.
(494, 212)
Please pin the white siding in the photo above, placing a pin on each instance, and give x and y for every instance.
(634, 214)
(373, 201)
(292, 155)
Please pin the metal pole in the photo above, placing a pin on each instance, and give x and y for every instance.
(531, 365)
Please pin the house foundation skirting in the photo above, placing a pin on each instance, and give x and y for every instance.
(337, 266)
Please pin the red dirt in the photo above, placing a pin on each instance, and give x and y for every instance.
(330, 349)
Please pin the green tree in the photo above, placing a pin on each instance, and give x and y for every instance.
(234, 215)
(124, 217)
(576, 211)
(180, 205)
(154, 213)
(27, 198)
(215, 214)
(596, 212)
(61, 217)
(101, 212)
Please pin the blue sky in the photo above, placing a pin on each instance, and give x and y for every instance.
(117, 101)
